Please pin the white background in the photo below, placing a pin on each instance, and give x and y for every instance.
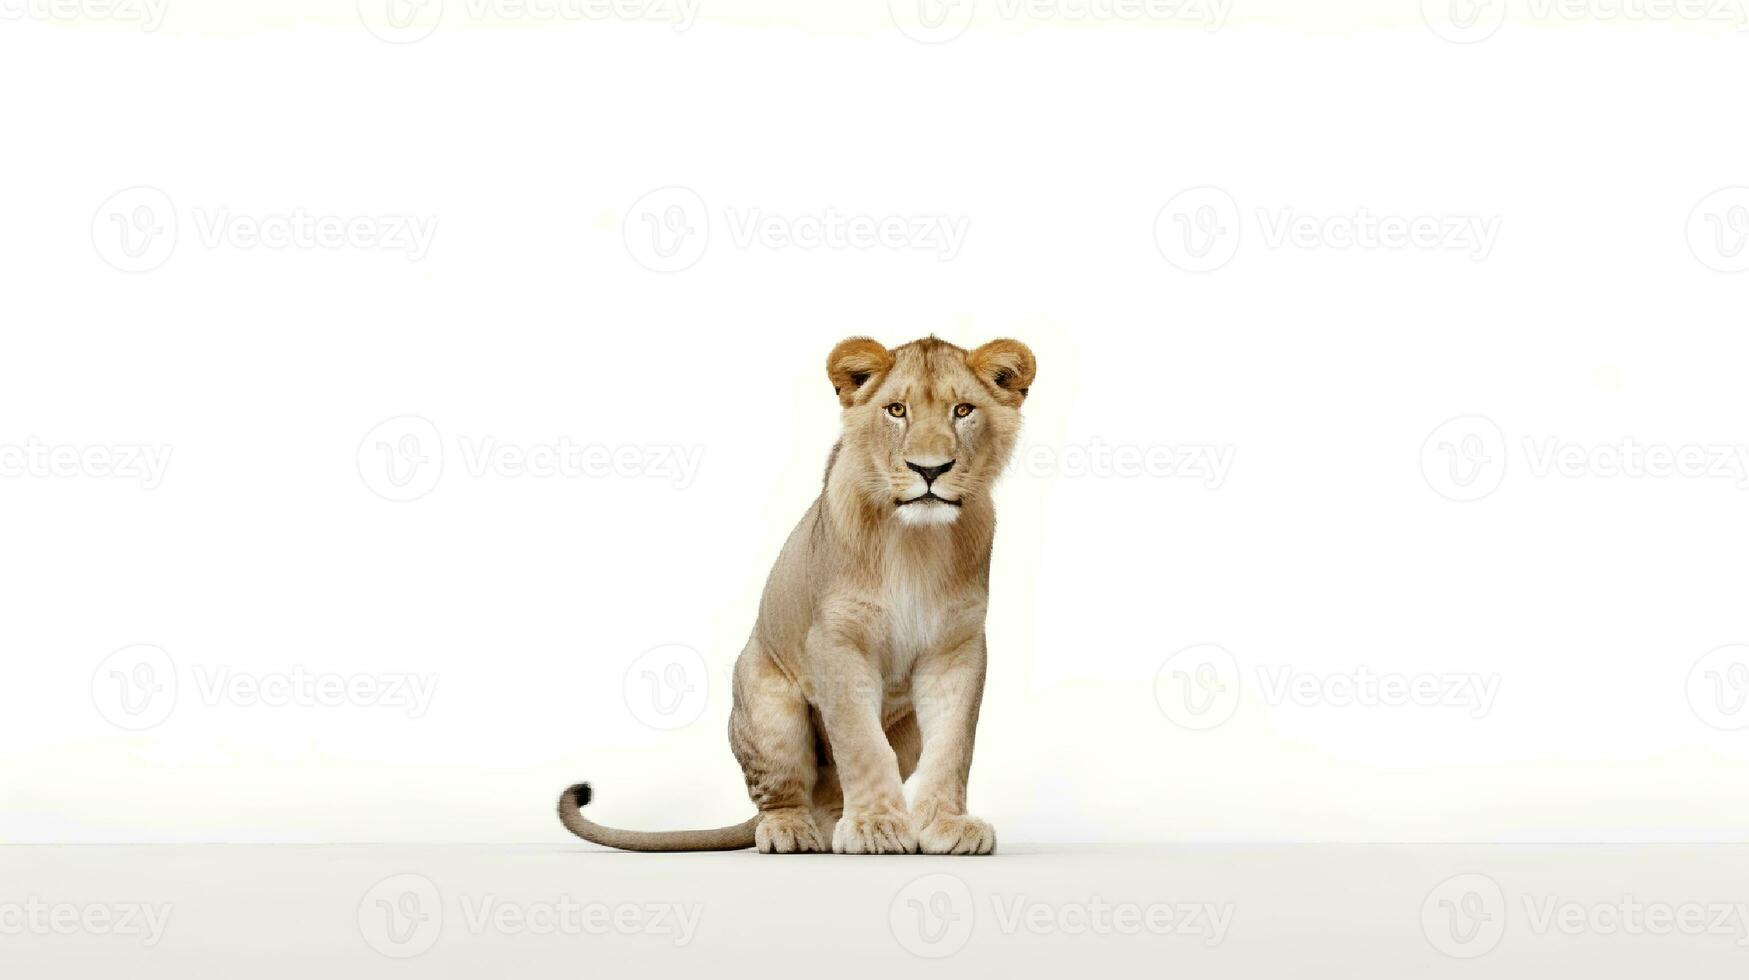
(1330, 550)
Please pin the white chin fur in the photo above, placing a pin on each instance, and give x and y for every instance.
(928, 512)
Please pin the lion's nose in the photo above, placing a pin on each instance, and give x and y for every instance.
(929, 473)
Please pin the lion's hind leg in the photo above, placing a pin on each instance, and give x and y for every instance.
(773, 740)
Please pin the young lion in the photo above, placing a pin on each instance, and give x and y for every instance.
(867, 661)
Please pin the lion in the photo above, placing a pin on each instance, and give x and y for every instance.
(866, 662)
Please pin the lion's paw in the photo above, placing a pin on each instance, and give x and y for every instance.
(950, 834)
(874, 832)
(788, 832)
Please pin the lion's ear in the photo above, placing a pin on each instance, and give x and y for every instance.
(1007, 365)
(853, 363)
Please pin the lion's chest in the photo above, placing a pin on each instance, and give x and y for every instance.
(916, 621)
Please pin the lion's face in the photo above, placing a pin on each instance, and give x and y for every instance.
(928, 426)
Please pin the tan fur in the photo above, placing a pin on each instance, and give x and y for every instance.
(866, 664)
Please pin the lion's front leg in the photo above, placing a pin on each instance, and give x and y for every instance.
(947, 690)
(846, 689)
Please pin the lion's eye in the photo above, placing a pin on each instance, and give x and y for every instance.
(896, 410)
(962, 410)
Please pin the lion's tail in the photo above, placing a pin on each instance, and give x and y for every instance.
(573, 800)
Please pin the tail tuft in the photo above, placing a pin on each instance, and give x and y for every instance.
(580, 794)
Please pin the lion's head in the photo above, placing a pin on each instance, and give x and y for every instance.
(927, 426)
